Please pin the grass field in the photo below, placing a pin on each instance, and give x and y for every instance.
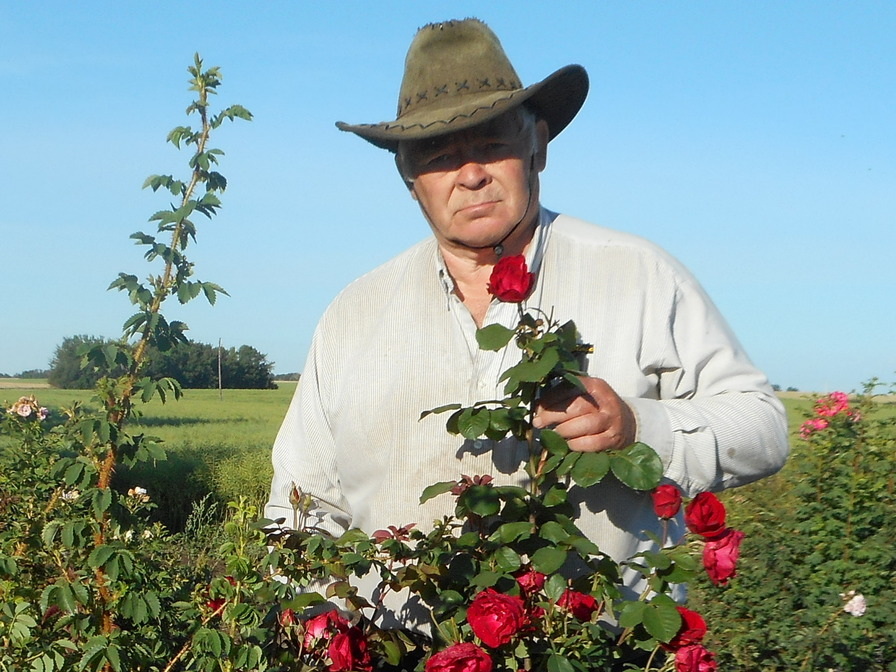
(221, 442)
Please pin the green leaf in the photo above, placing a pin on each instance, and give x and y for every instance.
(548, 560)
(590, 468)
(555, 586)
(440, 409)
(473, 422)
(558, 663)
(436, 489)
(507, 559)
(637, 466)
(553, 442)
(553, 532)
(632, 614)
(100, 555)
(662, 621)
(556, 496)
(481, 500)
(493, 337)
(510, 532)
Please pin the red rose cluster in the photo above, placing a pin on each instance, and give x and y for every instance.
(344, 644)
(511, 280)
(705, 515)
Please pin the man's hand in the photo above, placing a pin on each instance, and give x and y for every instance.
(594, 420)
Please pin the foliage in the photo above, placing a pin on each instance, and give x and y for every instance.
(508, 580)
(85, 582)
(66, 367)
(824, 536)
(195, 366)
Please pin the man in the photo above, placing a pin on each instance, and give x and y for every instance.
(470, 142)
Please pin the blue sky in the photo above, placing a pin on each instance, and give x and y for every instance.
(756, 141)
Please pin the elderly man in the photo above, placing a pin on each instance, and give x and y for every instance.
(470, 142)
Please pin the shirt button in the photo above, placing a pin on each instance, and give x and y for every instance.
(477, 444)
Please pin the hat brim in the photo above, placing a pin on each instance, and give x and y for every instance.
(556, 99)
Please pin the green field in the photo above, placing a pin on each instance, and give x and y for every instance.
(220, 442)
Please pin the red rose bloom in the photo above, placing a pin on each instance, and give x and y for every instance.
(495, 617)
(580, 605)
(530, 581)
(705, 515)
(666, 501)
(694, 658)
(720, 556)
(511, 280)
(692, 630)
(466, 657)
(348, 651)
(323, 626)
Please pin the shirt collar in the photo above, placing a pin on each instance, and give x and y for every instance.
(534, 252)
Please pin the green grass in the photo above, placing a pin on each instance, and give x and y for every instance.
(216, 443)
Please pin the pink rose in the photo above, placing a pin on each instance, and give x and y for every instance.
(495, 617)
(720, 556)
(692, 630)
(511, 280)
(811, 426)
(348, 651)
(580, 605)
(705, 515)
(694, 658)
(831, 405)
(666, 501)
(466, 657)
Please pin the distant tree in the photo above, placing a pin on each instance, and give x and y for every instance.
(195, 365)
(792, 389)
(287, 376)
(34, 373)
(776, 388)
(5, 375)
(66, 371)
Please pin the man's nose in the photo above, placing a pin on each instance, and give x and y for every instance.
(472, 173)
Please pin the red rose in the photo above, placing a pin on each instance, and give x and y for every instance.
(348, 651)
(580, 605)
(496, 617)
(530, 581)
(511, 280)
(323, 626)
(705, 515)
(666, 501)
(720, 556)
(694, 658)
(466, 657)
(692, 630)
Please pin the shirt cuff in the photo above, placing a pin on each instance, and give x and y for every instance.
(653, 427)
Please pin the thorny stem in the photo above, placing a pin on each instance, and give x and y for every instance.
(118, 410)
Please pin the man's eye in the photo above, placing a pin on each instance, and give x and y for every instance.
(437, 160)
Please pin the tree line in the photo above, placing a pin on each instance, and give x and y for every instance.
(194, 365)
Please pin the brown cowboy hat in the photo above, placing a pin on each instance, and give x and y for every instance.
(457, 75)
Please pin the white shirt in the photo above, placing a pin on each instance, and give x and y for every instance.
(398, 341)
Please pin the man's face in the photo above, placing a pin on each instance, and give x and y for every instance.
(476, 185)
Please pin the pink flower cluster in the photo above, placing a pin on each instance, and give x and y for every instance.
(834, 404)
(27, 407)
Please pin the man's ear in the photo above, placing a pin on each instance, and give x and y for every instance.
(540, 157)
(408, 182)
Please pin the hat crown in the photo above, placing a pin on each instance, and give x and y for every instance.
(449, 60)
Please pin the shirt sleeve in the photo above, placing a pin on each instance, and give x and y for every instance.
(304, 454)
(717, 422)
